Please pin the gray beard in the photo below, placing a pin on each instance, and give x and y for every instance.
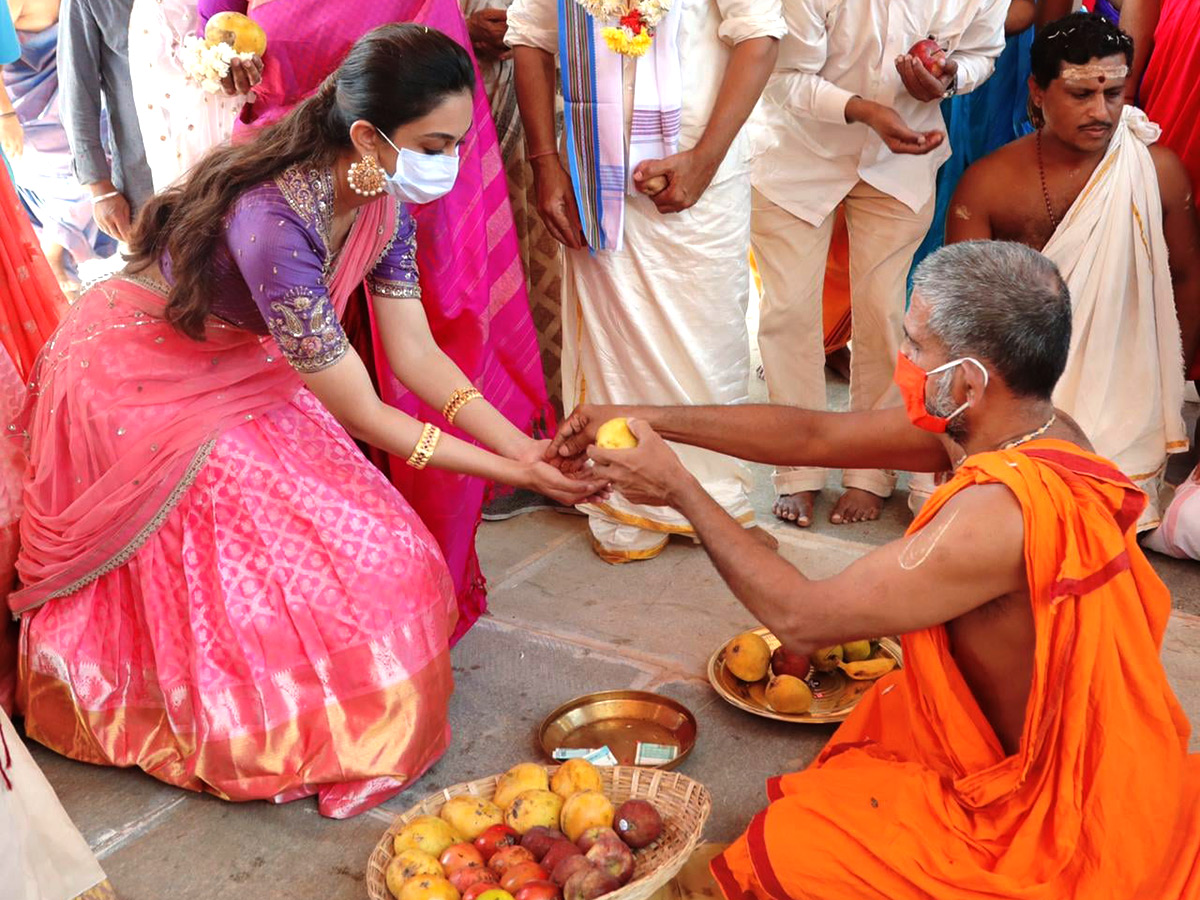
(943, 405)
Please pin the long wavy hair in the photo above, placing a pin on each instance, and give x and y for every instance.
(393, 75)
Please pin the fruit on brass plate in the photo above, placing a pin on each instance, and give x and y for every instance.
(827, 658)
(856, 651)
(868, 669)
(789, 694)
(785, 662)
(747, 657)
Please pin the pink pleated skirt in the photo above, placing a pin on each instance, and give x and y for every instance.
(284, 633)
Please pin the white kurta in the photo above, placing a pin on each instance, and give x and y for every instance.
(1124, 378)
(180, 121)
(663, 321)
(42, 854)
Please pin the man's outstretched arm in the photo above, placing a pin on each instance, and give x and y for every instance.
(970, 553)
(775, 435)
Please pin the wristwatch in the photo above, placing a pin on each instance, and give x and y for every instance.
(952, 89)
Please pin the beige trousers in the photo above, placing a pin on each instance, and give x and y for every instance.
(791, 253)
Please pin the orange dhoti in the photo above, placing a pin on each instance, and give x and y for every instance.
(914, 796)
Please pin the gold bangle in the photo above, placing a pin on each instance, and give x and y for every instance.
(423, 452)
(457, 401)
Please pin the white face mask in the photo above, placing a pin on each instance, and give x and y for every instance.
(421, 177)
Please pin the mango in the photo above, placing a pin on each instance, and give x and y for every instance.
(615, 435)
(428, 833)
(426, 887)
(519, 779)
(471, 816)
(789, 694)
(574, 776)
(409, 864)
(533, 808)
(748, 657)
(827, 658)
(239, 31)
(587, 809)
(856, 651)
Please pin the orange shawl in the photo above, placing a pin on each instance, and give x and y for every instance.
(914, 797)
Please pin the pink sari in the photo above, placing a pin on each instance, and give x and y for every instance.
(219, 589)
(472, 281)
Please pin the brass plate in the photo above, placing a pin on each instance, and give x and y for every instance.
(834, 693)
(620, 719)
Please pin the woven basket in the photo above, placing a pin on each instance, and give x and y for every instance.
(683, 803)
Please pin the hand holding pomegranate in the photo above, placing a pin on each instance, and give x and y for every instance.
(926, 71)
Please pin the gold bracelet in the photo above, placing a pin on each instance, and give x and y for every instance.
(423, 452)
(457, 401)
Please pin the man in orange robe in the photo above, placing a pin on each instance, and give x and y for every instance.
(1031, 746)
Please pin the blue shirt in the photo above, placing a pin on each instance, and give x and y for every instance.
(10, 49)
(10, 52)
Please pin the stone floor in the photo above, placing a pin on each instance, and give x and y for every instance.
(562, 623)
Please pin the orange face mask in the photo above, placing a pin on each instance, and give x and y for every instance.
(911, 378)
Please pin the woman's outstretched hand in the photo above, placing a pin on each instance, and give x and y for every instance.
(568, 450)
(568, 489)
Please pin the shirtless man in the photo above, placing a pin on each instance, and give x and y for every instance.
(1085, 189)
(995, 763)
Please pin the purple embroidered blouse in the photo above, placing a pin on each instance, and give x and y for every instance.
(271, 273)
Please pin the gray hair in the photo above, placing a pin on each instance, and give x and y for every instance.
(1004, 304)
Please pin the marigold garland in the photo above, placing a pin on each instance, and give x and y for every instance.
(634, 32)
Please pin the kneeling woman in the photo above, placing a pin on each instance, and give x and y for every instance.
(217, 586)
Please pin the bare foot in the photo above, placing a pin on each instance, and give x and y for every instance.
(764, 537)
(856, 505)
(796, 508)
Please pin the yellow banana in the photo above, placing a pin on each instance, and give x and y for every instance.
(868, 669)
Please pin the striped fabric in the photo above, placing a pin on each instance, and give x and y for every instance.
(594, 106)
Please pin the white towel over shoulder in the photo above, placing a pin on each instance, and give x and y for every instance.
(1124, 378)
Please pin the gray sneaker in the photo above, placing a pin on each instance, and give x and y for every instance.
(522, 501)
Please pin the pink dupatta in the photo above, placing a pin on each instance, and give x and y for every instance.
(472, 281)
(125, 411)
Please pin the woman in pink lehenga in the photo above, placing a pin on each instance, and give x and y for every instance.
(218, 587)
(467, 251)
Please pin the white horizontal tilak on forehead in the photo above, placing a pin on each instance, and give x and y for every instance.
(1072, 72)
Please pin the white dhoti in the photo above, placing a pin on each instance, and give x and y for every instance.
(180, 121)
(1123, 383)
(663, 322)
(42, 854)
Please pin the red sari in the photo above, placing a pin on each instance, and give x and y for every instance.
(31, 307)
(1170, 90)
